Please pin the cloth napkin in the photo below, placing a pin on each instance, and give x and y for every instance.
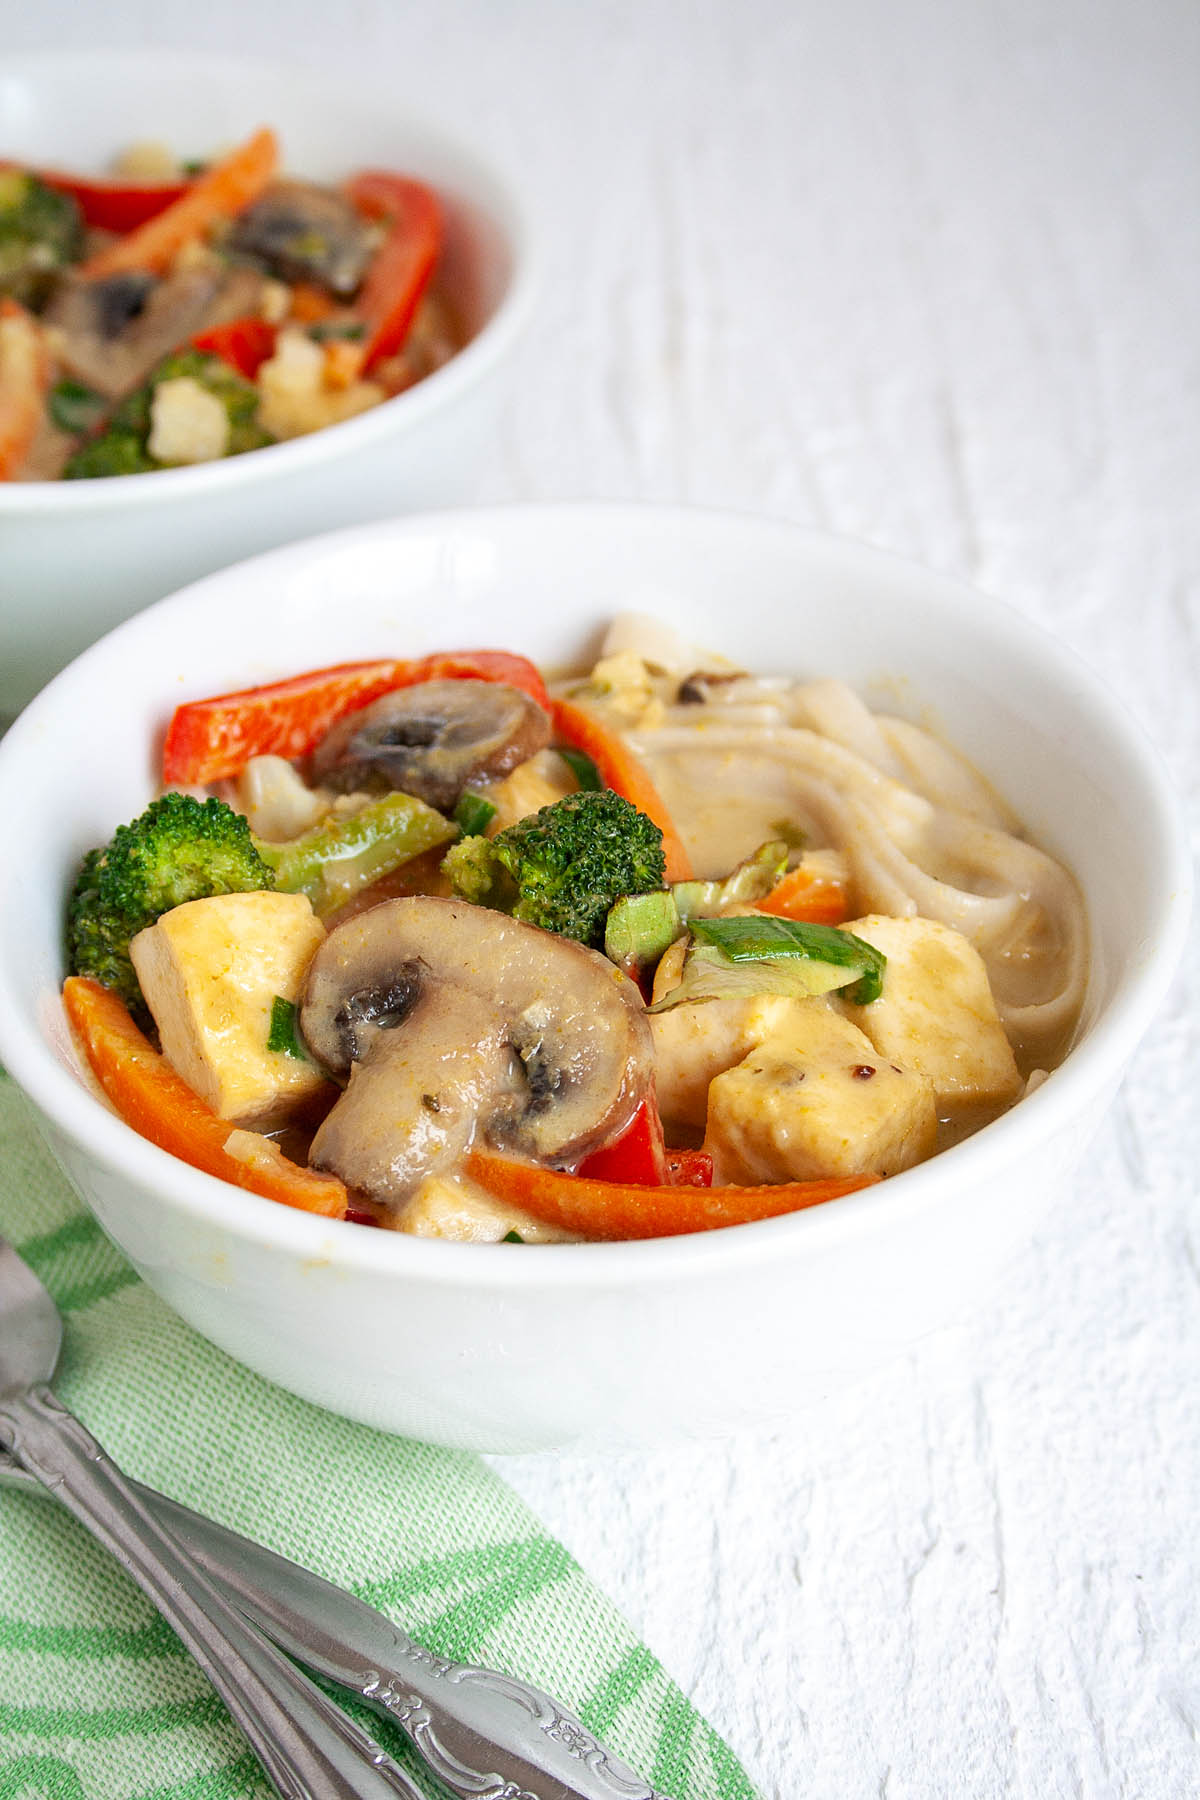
(99, 1701)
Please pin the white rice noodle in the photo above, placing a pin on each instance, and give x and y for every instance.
(922, 833)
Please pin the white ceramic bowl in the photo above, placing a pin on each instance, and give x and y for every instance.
(79, 556)
(490, 1347)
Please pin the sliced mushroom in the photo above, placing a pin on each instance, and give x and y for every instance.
(111, 333)
(302, 232)
(432, 739)
(452, 1020)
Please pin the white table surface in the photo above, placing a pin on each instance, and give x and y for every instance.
(927, 275)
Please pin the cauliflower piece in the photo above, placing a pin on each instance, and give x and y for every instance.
(452, 1206)
(147, 160)
(627, 687)
(274, 301)
(210, 971)
(188, 424)
(296, 398)
(277, 800)
(817, 1101)
(936, 1013)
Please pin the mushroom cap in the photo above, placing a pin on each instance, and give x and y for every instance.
(433, 738)
(451, 1020)
(303, 232)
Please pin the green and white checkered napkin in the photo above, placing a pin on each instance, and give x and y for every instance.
(98, 1701)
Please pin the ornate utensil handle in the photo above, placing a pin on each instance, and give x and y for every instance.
(306, 1744)
(458, 1716)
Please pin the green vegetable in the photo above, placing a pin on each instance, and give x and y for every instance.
(582, 768)
(179, 849)
(473, 813)
(283, 1036)
(793, 835)
(761, 939)
(512, 1237)
(639, 928)
(73, 407)
(40, 232)
(564, 867)
(118, 451)
(351, 330)
(342, 855)
(121, 449)
(751, 880)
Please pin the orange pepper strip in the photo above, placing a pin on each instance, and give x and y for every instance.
(619, 769)
(621, 1210)
(24, 378)
(159, 1104)
(813, 898)
(209, 740)
(220, 193)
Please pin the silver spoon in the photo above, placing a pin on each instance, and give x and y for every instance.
(306, 1744)
(487, 1735)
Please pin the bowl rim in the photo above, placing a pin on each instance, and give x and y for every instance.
(1089, 1070)
(507, 210)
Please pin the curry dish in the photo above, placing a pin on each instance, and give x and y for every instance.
(440, 948)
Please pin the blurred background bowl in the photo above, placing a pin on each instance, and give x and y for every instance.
(79, 556)
(493, 1348)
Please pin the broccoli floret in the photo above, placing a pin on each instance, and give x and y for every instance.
(121, 448)
(563, 867)
(114, 452)
(179, 849)
(40, 232)
(475, 875)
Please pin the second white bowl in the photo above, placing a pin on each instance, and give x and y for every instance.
(79, 556)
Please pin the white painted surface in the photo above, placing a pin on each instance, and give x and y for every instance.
(926, 274)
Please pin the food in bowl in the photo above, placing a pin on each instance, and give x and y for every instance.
(170, 316)
(664, 947)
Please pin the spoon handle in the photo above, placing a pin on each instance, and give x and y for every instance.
(306, 1744)
(488, 1736)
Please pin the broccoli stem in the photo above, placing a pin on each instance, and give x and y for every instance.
(339, 857)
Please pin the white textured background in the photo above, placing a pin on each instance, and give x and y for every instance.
(928, 275)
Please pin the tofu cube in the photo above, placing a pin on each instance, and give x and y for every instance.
(694, 1043)
(210, 970)
(452, 1206)
(818, 1102)
(936, 1013)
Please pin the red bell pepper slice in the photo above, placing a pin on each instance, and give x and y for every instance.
(621, 1210)
(245, 344)
(114, 205)
(689, 1168)
(403, 266)
(208, 740)
(619, 769)
(639, 1154)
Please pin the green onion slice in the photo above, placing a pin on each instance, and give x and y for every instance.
(765, 939)
(74, 407)
(582, 767)
(283, 1035)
